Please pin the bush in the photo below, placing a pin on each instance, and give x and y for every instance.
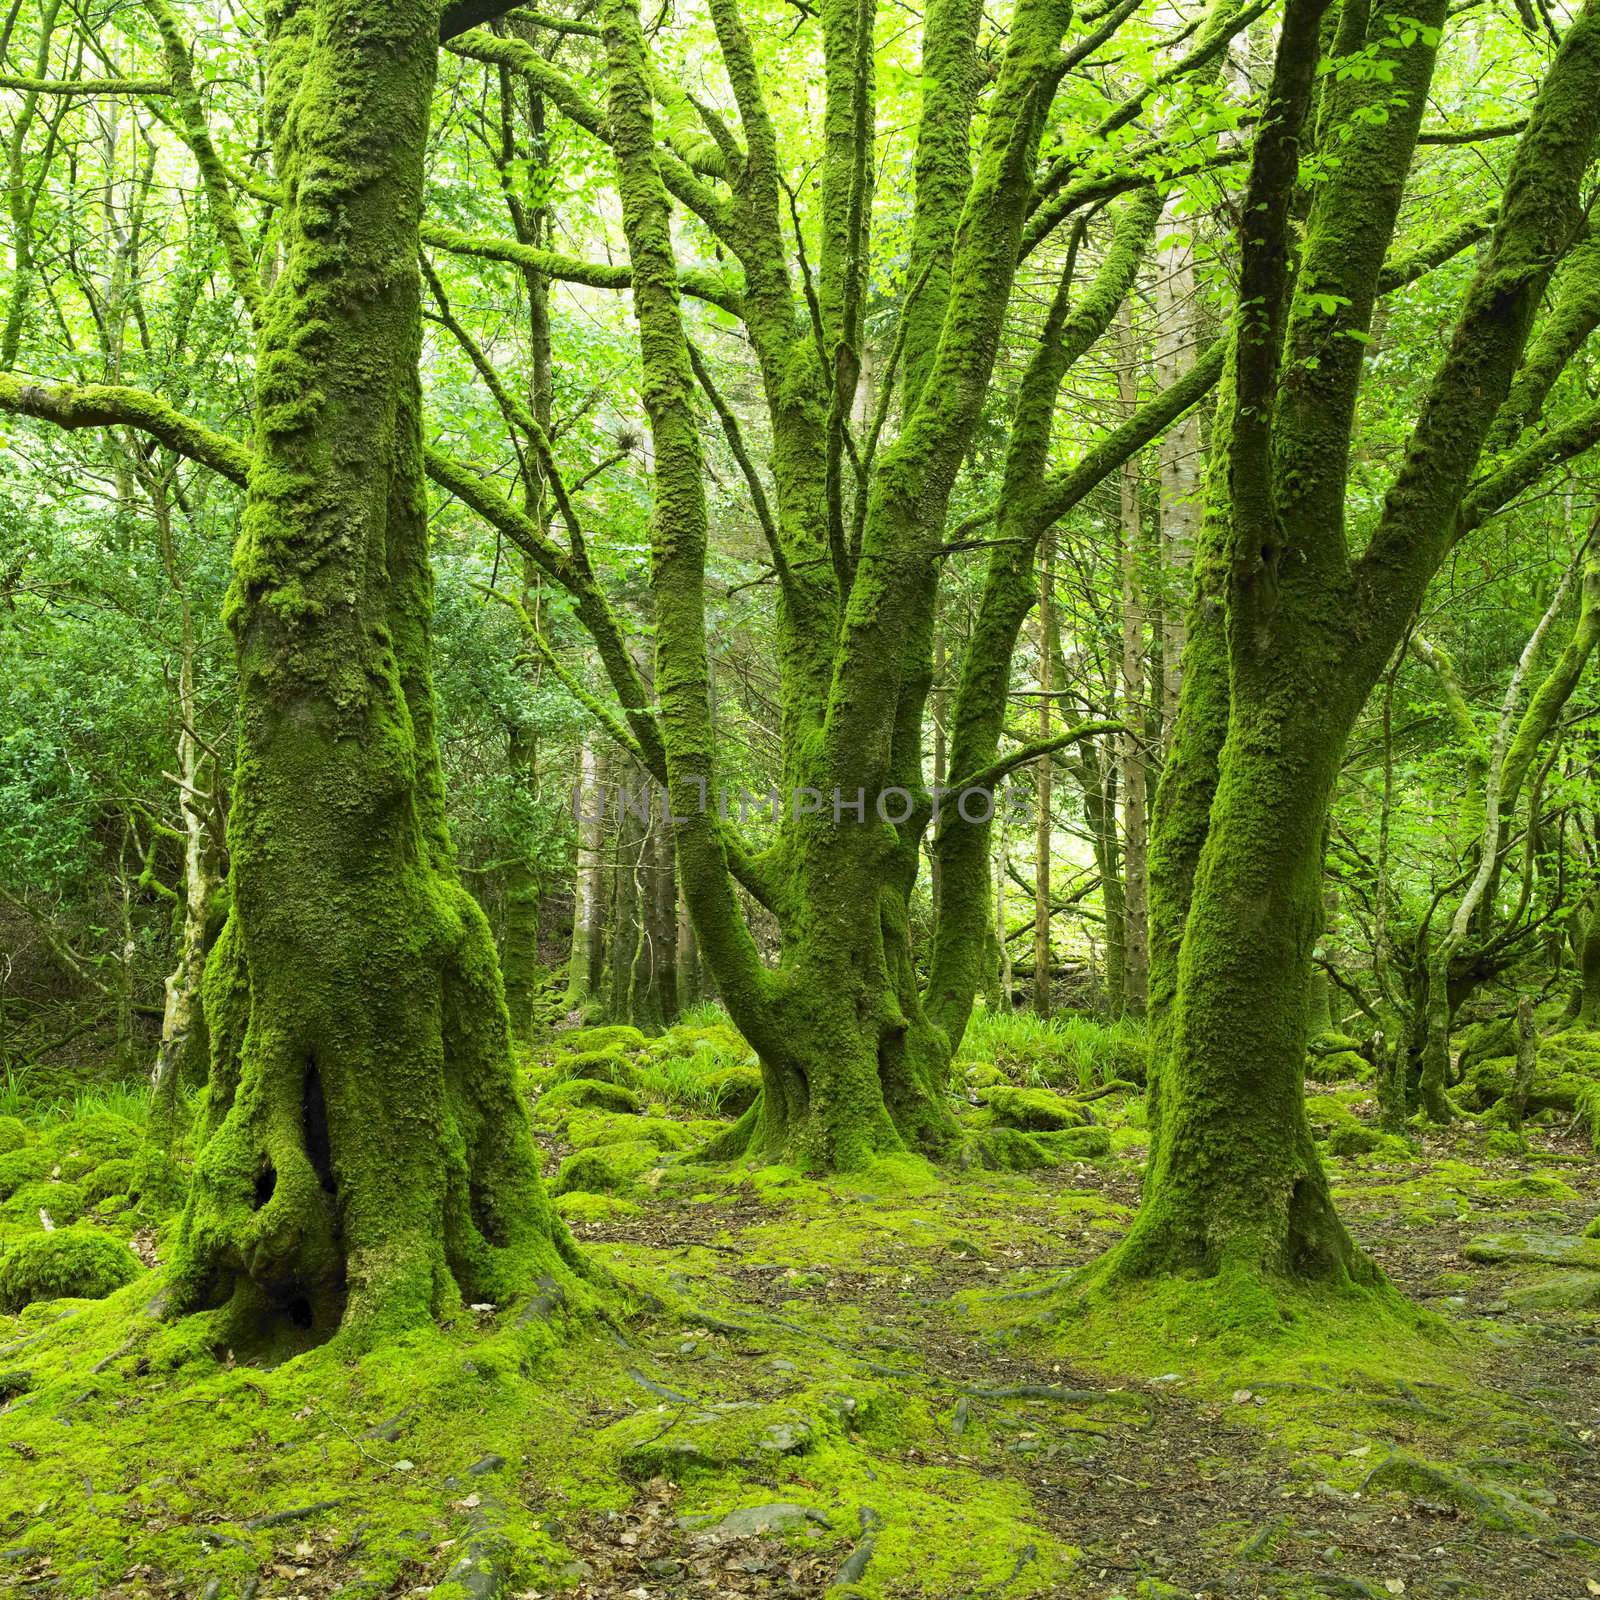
(70, 1263)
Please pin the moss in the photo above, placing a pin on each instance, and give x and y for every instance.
(109, 1178)
(581, 1205)
(26, 1164)
(98, 1137)
(584, 1092)
(63, 1202)
(607, 1169)
(1530, 1186)
(1339, 1067)
(14, 1133)
(1011, 1150)
(1076, 1144)
(1034, 1110)
(587, 1129)
(581, 1041)
(603, 1066)
(70, 1263)
(1576, 1050)
(733, 1090)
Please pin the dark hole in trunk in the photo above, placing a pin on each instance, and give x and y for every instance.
(314, 1116)
(266, 1182)
(299, 1311)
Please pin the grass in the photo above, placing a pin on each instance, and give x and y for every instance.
(28, 1094)
(1069, 1051)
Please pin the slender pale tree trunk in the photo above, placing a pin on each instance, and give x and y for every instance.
(584, 963)
(1043, 831)
(1131, 744)
(1179, 454)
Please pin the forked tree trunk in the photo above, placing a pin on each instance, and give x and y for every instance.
(366, 1162)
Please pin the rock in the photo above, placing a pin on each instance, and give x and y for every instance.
(486, 1464)
(733, 1090)
(607, 1169)
(580, 1205)
(581, 1041)
(1034, 1110)
(1493, 1506)
(23, 1164)
(1555, 1291)
(600, 1066)
(754, 1522)
(69, 1263)
(587, 1129)
(665, 1442)
(1077, 1144)
(1543, 1249)
(574, 1093)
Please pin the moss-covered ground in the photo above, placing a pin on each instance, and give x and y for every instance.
(880, 1386)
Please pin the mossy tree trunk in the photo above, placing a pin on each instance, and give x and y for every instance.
(366, 1162)
(1290, 633)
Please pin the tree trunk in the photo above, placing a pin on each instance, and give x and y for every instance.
(585, 962)
(1589, 966)
(1235, 1180)
(1043, 831)
(366, 1161)
(1179, 453)
(519, 944)
(1131, 743)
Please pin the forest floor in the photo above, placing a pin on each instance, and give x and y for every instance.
(874, 1387)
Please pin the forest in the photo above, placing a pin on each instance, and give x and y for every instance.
(799, 798)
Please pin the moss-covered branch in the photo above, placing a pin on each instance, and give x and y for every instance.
(101, 405)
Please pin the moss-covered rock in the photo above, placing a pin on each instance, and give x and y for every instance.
(581, 1041)
(579, 1205)
(1076, 1144)
(606, 1169)
(27, 1164)
(654, 1443)
(100, 1136)
(62, 1202)
(1034, 1110)
(14, 1133)
(110, 1177)
(980, 1074)
(562, 1098)
(1482, 1041)
(70, 1263)
(1341, 1066)
(1573, 1051)
(733, 1090)
(587, 1129)
(602, 1066)
(1011, 1150)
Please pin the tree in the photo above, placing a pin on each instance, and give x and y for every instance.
(365, 1161)
(1291, 631)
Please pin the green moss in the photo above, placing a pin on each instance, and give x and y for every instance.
(586, 1129)
(580, 1205)
(611, 1038)
(63, 1202)
(602, 1066)
(1034, 1110)
(69, 1263)
(14, 1133)
(577, 1093)
(733, 1090)
(608, 1169)
(25, 1164)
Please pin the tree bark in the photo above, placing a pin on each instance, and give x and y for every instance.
(1131, 744)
